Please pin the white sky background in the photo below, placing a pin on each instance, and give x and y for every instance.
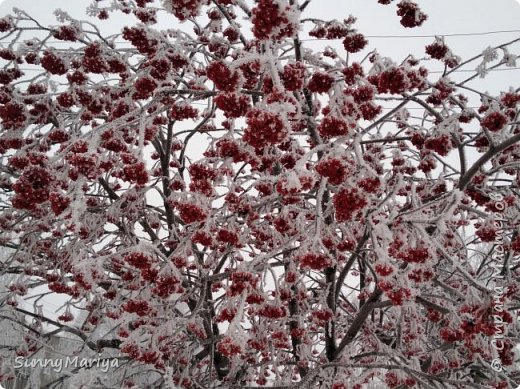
(444, 17)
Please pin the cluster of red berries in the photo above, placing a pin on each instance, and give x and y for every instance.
(84, 164)
(93, 61)
(222, 76)
(352, 72)
(144, 88)
(226, 314)
(395, 294)
(354, 43)
(53, 63)
(241, 281)
(271, 311)
(322, 316)
(12, 115)
(8, 75)
(227, 236)
(398, 80)
(494, 121)
(271, 21)
(264, 129)
(384, 269)
(334, 169)
(66, 33)
(139, 307)
(412, 255)
(139, 39)
(314, 261)
(59, 202)
(320, 82)
(146, 16)
(184, 9)
(411, 15)
(6, 24)
(332, 126)
(191, 213)
(159, 68)
(229, 148)
(138, 260)
(202, 237)
(183, 112)
(441, 144)
(228, 348)
(167, 285)
(32, 188)
(347, 202)
(136, 172)
(294, 76)
(487, 233)
(233, 104)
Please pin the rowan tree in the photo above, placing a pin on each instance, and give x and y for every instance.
(232, 209)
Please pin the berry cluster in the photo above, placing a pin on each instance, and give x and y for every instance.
(354, 43)
(228, 348)
(320, 82)
(183, 112)
(233, 104)
(226, 314)
(229, 148)
(93, 61)
(32, 188)
(227, 236)
(66, 33)
(347, 202)
(184, 9)
(191, 213)
(294, 76)
(271, 311)
(398, 80)
(53, 64)
(494, 121)
(322, 316)
(411, 15)
(144, 88)
(241, 281)
(59, 202)
(167, 285)
(136, 172)
(13, 115)
(140, 40)
(314, 261)
(441, 144)
(138, 260)
(334, 169)
(222, 76)
(264, 128)
(202, 237)
(332, 126)
(85, 164)
(272, 21)
(395, 294)
(139, 307)
(414, 255)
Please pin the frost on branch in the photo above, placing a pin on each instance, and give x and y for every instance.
(223, 206)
